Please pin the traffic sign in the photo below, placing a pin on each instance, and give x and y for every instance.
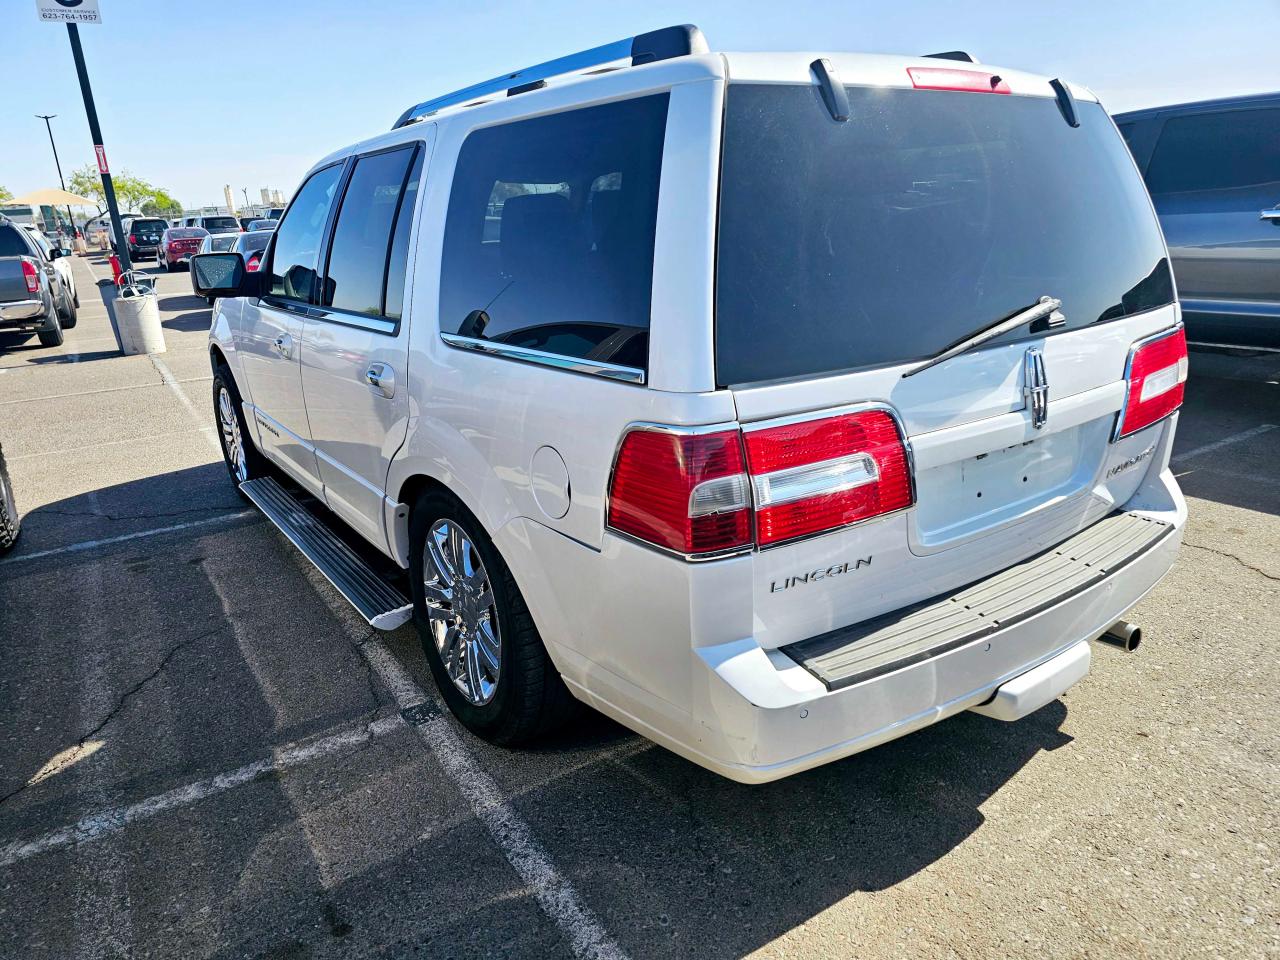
(68, 11)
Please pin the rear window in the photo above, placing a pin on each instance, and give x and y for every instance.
(253, 241)
(187, 233)
(926, 217)
(149, 226)
(11, 243)
(221, 224)
(221, 244)
(548, 243)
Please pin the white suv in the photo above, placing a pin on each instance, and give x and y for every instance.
(775, 405)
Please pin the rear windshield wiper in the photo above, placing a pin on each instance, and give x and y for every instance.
(1045, 307)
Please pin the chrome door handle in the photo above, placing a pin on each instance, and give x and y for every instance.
(1273, 215)
(283, 345)
(382, 378)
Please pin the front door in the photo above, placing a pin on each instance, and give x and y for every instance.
(1215, 181)
(269, 340)
(355, 376)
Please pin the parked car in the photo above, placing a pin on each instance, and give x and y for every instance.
(214, 224)
(61, 262)
(263, 224)
(251, 247)
(33, 297)
(179, 244)
(244, 222)
(768, 482)
(1213, 169)
(10, 522)
(275, 213)
(143, 235)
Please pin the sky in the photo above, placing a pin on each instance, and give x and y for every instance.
(194, 94)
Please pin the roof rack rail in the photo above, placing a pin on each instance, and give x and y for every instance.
(677, 41)
(952, 55)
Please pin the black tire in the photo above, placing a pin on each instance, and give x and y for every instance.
(530, 699)
(254, 464)
(10, 523)
(76, 299)
(70, 318)
(54, 337)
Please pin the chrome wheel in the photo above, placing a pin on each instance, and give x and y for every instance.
(461, 611)
(232, 442)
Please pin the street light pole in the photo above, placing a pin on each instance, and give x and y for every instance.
(122, 245)
(46, 117)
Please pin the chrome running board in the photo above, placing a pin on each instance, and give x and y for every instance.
(382, 603)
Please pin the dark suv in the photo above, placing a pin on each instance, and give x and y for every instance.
(144, 237)
(1213, 169)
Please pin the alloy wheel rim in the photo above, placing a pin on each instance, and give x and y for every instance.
(461, 612)
(231, 441)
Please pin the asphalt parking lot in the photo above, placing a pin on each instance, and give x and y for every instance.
(205, 753)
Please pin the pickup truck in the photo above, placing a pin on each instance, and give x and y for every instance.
(33, 295)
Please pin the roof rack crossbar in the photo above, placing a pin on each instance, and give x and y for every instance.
(677, 41)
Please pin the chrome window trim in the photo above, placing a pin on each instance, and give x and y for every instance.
(595, 368)
(361, 321)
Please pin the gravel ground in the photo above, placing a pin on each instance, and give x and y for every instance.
(204, 755)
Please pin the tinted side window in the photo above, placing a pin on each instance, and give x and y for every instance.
(398, 262)
(1216, 151)
(548, 242)
(293, 263)
(357, 267)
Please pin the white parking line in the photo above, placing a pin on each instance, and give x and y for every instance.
(105, 541)
(170, 381)
(1224, 442)
(105, 822)
(512, 835)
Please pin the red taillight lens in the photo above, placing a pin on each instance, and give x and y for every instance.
(254, 262)
(31, 275)
(947, 78)
(685, 492)
(698, 493)
(133, 239)
(1157, 381)
(817, 475)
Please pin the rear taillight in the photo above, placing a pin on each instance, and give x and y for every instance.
(685, 492)
(31, 275)
(133, 239)
(815, 475)
(1157, 376)
(947, 78)
(722, 491)
(254, 262)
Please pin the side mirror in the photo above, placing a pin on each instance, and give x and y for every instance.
(55, 253)
(224, 275)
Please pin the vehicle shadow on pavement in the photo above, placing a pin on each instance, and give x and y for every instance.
(196, 320)
(182, 301)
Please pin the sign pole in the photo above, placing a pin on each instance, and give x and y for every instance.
(46, 117)
(122, 242)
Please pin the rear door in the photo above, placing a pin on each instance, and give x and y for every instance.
(927, 216)
(1215, 180)
(354, 347)
(269, 339)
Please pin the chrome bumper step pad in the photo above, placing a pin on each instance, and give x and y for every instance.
(912, 635)
(381, 602)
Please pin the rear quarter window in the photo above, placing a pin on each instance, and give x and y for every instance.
(549, 237)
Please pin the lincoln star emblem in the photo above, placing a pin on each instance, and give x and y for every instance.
(1035, 387)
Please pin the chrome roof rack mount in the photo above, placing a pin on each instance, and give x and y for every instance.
(664, 44)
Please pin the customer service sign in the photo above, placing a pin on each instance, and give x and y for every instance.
(68, 11)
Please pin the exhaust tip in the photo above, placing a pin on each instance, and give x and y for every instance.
(1126, 636)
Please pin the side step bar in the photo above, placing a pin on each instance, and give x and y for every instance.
(383, 604)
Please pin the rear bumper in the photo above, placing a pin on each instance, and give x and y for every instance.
(22, 310)
(756, 715)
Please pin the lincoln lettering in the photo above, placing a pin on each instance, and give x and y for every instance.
(834, 570)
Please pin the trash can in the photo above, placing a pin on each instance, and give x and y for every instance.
(137, 316)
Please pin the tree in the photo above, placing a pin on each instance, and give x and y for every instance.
(132, 193)
(5, 195)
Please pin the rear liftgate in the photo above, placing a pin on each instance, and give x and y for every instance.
(372, 587)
